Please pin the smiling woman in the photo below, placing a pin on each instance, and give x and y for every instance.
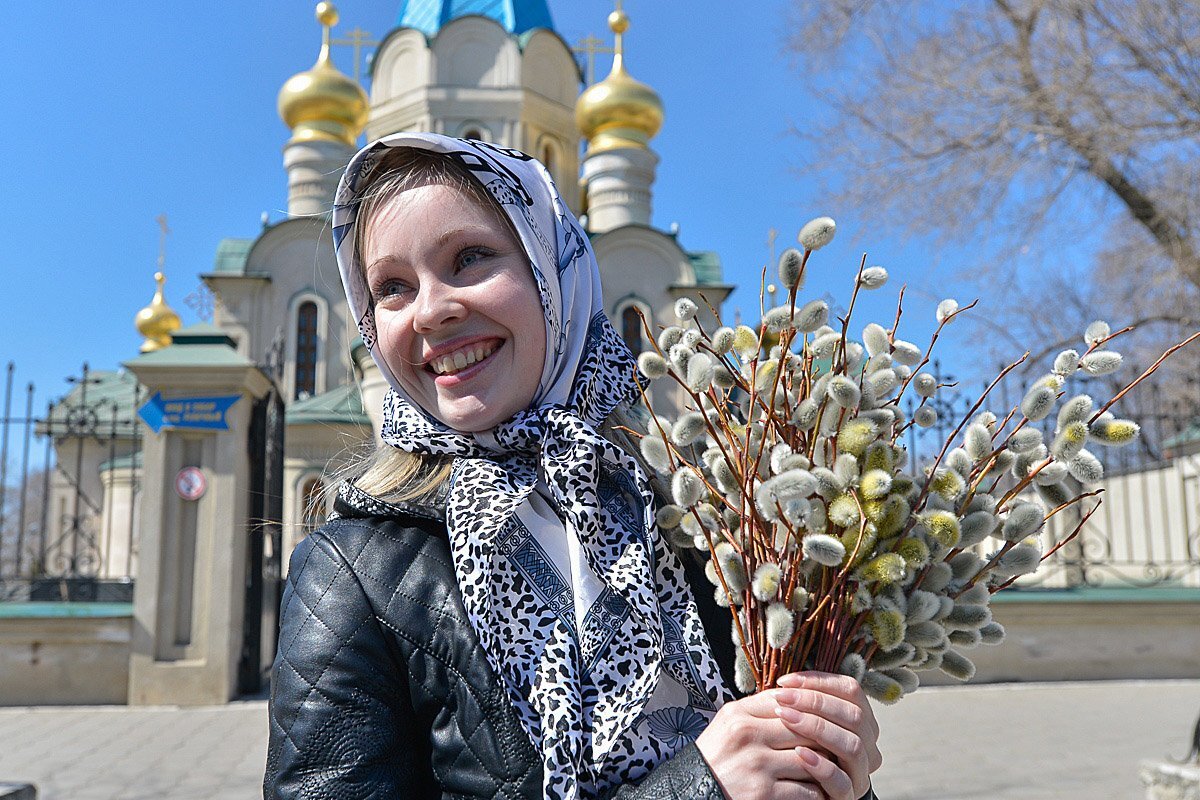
(491, 611)
(456, 308)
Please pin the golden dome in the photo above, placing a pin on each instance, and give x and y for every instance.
(618, 111)
(157, 321)
(322, 103)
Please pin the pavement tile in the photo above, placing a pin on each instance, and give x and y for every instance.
(1061, 741)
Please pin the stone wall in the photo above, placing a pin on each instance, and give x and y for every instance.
(64, 653)
(1090, 634)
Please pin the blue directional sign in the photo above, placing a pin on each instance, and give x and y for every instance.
(194, 413)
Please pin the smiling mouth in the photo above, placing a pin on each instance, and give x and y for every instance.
(459, 360)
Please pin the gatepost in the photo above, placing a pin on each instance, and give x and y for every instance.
(189, 598)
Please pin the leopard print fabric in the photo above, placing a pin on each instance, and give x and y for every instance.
(579, 604)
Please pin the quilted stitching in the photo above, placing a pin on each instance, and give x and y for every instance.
(381, 689)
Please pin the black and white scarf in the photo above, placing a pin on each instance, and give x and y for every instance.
(579, 604)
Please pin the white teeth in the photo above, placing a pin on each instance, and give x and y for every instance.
(461, 359)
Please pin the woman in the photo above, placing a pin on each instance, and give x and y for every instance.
(491, 611)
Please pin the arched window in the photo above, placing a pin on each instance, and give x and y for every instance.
(473, 133)
(631, 328)
(548, 157)
(312, 509)
(306, 350)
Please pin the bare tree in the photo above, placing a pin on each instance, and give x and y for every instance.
(1022, 122)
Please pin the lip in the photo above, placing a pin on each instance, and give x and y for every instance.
(457, 343)
(463, 375)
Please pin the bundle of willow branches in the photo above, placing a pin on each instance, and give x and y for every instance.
(830, 549)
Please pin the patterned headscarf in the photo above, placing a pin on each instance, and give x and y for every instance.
(606, 662)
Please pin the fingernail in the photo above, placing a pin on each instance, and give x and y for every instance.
(788, 714)
(807, 756)
(790, 679)
(787, 696)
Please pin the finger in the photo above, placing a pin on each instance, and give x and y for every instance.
(847, 747)
(831, 778)
(833, 708)
(843, 713)
(842, 686)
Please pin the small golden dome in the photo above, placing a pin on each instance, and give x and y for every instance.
(157, 321)
(321, 103)
(618, 111)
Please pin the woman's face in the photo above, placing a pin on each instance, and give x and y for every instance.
(456, 307)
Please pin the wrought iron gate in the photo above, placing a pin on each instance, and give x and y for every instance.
(264, 543)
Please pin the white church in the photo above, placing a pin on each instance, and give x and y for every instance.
(488, 69)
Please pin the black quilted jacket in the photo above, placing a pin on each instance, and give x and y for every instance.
(381, 690)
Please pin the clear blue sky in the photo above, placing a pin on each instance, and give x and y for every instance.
(118, 112)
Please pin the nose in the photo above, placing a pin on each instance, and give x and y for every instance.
(437, 304)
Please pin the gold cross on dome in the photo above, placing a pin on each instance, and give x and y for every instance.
(357, 39)
(163, 230)
(589, 46)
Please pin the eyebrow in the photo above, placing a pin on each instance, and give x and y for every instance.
(440, 242)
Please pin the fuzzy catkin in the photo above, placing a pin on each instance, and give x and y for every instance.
(654, 450)
(881, 688)
(925, 416)
(1025, 440)
(766, 582)
(1070, 441)
(1020, 560)
(668, 516)
(811, 316)
(781, 623)
(1066, 362)
(686, 487)
(685, 309)
(1096, 332)
(688, 429)
(817, 233)
(1038, 403)
(876, 340)
(977, 441)
(925, 384)
(1077, 409)
(791, 268)
(1023, 520)
(1114, 432)
(853, 666)
(975, 527)
(873, 277)
(823, 549)
(1086, 468)
(956, 665)
(1101, 362)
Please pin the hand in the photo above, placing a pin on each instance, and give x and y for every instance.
(815, 738)
(832, 714)
(752, 752)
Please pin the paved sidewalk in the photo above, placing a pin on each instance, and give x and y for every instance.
(1062, 741)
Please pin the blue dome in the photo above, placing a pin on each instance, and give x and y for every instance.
(516, 16)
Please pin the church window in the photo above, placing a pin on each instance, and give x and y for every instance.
(306, 350)
(631, 328)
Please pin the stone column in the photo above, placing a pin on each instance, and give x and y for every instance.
(314, 167)
(619, 182)
(189, 598)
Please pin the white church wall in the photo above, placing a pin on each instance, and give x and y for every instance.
(402, 66)
(475, 52)
(548, 68)
(298, 256)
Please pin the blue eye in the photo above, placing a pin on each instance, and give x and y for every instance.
(389, 287)
(472, 256)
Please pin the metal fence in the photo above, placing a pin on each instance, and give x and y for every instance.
(1146, 532)
(69, 489)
